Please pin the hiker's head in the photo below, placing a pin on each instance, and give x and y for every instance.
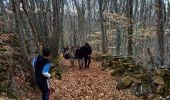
(86, 44)
(67, 46)
(78, 46)
(46, 52)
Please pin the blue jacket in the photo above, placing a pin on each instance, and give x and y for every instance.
(42, 67)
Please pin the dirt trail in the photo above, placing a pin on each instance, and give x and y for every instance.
(87, 84)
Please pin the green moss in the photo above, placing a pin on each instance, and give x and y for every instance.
(125, 83)
(3, 49)
(12, 95)
(59, 73)
(57, 68)
(118, 71)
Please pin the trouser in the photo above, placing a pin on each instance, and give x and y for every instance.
(44, 87)
(81, 62)
(87, 61)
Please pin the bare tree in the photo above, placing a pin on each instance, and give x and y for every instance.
(130, 26)
(101, 10)
(80, 7)
(160, 21)
(57, 26)
(15, 9)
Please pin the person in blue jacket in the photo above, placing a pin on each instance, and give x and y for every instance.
(42, 66)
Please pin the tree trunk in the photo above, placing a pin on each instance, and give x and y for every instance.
(118, 30)
(102, 26)
(15, 9)
(89, 16)
(31, 24)
(81, 20)
(160, 29)
(61, 21)
(4, 16)
(56, 28)
(130, 27)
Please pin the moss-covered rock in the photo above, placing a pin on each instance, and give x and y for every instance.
(1, 42)
(126, 71)
(160, 89)
(158, 80)
(118, 71)
(125, 83)
(158, 71)
(3, 49)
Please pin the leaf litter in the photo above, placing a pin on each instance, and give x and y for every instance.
(87, 84)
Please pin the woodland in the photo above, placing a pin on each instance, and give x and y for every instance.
(130, 40)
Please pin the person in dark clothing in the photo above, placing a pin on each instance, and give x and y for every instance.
(69, 54)
(42, 66)
(85, 52)
(77, 52)
(79, 57)
(87, 55)
(65, 52)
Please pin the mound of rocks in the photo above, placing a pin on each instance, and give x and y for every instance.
(142, 81)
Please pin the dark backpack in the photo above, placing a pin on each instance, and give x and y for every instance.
(77, 53)
(80, 53)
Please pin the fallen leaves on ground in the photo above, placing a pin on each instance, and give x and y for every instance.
(5, 37)
(87, 84)
(13, 76)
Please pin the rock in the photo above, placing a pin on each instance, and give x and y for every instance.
(1, 42)
(138, 76)
(118, 71)
(160, 89)
(167, 80)
(142, 77)
(138, 81)
(162, 71)
(129, 60)
(129, 74)
(2, 78)
(158, 80)
(106, 63)
(150, 96)
(2, 49)
(115, 64)
(124, 83)
(127, 65)
(142, 89)
(158, 72)
(135, 68)
(156, 97)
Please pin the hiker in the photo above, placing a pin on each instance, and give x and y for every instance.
(85, 53)
(77, 52)
(65, 52)
(72, 52)
(87, 57)
(42, 66)
(69, 55)
(72, 55)
(79, 57)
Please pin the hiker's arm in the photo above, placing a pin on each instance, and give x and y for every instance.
(34, 61)
(46, 69)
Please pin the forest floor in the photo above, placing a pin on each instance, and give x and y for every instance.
(87, 84)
